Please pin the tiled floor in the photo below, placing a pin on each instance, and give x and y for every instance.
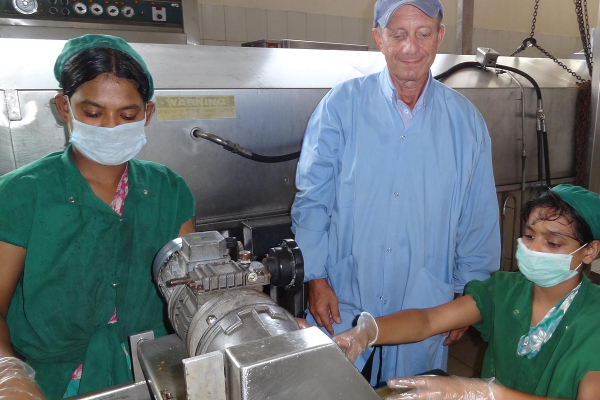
(466, 356)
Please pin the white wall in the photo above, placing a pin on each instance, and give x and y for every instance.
(500, 24)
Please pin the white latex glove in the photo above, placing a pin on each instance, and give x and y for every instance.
(357, 340)
(442, 388)
(16, 381)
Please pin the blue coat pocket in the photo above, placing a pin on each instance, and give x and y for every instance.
(342, 278)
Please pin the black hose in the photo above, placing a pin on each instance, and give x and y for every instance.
(271, 159)
(198, 133)
(475, 64)
(456, 68)
(540, 151)
(542, 136)
(538, 91)
(546, 157)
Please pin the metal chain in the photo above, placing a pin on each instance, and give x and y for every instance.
(584, 32)
(580, 23)
(587, 27)
(583, 29)
(560, 64)
(534, 20)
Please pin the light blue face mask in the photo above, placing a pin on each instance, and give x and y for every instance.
(108, 146)
(545, 269)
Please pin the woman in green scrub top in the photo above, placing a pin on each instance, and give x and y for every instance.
(542, 323)
(79, 229)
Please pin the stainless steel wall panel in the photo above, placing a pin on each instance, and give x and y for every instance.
(225, 185)
(7, 160)
(501, 111)
(592, 170)
(40, 131)
(206, 67)
(275, 93)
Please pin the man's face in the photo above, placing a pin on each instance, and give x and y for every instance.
(409, 43)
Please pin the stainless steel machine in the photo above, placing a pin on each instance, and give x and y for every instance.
(233, 341)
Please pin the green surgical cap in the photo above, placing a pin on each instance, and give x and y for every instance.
(85, 42)
(585, 202)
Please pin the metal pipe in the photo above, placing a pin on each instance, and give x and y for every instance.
(502, 234)
(523, 147)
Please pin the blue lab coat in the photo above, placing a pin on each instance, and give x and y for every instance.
(396, 217)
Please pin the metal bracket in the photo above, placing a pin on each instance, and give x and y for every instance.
(12, 104)
(134, 340)
(205, 377)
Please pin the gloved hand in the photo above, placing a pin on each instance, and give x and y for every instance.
(357, 340)
(16, 381)
(442, 388)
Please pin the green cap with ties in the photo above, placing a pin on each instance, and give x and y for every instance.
(585, 202)
(85, 42)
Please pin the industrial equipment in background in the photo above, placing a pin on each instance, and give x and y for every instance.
(304, 44)
(141, 21)
(233, 342)
(165, 12)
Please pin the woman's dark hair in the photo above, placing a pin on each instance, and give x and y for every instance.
(88, 64)
(553, 207)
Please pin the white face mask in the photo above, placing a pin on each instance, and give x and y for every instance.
(545, 269)
(108, 146)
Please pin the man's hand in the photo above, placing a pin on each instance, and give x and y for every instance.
(323, 304)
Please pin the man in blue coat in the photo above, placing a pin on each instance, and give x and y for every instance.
(396, 206)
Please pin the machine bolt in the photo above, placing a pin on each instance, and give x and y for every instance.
(252, 277)
(178, 281)
(245, 258)
(211, 319)
(166, 394)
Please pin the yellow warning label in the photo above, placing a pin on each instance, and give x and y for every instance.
(173, 108)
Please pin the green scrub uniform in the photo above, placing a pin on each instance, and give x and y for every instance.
(505, 303)
(83, 261)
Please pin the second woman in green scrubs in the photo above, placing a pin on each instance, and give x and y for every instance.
(542, 323)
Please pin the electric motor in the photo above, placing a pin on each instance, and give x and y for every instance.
(214, 302)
